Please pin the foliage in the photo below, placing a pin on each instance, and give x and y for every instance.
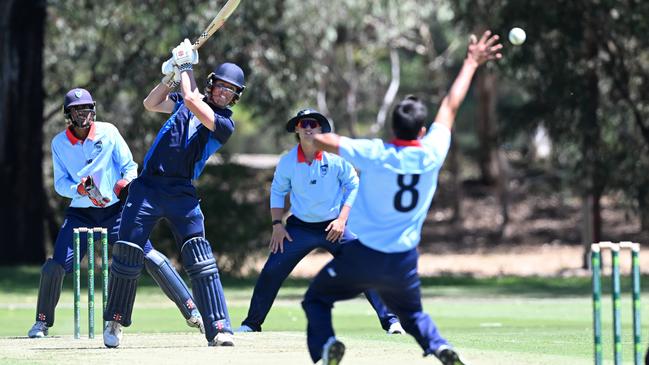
(293, 57)
(582, 74)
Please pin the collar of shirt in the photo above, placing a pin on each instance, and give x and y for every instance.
(406, 142)
(301, 158)
(74, 140)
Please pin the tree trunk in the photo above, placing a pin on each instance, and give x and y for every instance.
(352, 91)
(591, 225)
(22, 26)
(493, 162)
(390, 93)
(643, 207)
(593, 176)
(456, 184)
(487, 132)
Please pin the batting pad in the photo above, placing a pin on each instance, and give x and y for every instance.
(49, 291)
(159, 267)
(128, 259)
(200, 264)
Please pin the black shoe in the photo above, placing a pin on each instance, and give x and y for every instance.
(332, 352)
(448, 356)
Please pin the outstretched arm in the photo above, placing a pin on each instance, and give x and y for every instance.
(327, 142)
(479, 52)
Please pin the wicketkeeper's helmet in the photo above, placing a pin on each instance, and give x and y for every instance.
(77, 96)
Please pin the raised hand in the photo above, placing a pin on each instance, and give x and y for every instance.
(485, 49)
(184, 55)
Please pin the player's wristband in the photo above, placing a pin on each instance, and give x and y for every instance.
(277, 221)
(185, 67)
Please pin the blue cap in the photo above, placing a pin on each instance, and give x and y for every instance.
(77, 96)
(309, 114)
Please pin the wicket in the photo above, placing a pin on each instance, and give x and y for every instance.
(76, 248)
(595, 255)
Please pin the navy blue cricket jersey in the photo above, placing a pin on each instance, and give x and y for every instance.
(184, 144)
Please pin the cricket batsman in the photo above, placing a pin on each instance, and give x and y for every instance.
(198, 126)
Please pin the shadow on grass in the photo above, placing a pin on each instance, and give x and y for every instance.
(25, 279)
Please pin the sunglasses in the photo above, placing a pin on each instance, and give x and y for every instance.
(225, 89)
(311, 123)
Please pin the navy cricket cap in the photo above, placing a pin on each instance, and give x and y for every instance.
(309, 114)
(77, 96)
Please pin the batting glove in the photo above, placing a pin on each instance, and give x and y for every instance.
(171, 80)
(184, 55)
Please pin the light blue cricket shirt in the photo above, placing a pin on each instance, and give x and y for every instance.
(397, 184)
(104, 155)
(317, 190)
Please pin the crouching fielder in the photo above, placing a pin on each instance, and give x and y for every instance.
(198, 127)
(398, 180)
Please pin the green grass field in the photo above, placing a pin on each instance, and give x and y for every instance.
(490, 321)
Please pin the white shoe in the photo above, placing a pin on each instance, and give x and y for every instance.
(38, 330)
(222, 339)
(332, 351)
(196, 321)
(244, 328)
(112, 334)
(396, 329)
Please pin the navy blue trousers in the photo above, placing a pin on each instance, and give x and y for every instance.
(108, 218)
(357, 268)
(306, 238)
(153, 198)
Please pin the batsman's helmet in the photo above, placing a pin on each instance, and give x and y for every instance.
(309, 114)
(230, 73)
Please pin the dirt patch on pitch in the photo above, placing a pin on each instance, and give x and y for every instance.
(266, 348)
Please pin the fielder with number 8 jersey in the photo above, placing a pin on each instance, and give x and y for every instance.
(397, 184)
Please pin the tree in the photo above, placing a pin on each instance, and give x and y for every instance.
(583, 75)
(22, 25)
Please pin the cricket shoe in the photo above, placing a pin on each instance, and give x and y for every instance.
(396, 329)
(332, 351)
(196, 321)
(222, 339)
(448, 356)
(112, 334)
(244, 328)
(38, 330)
